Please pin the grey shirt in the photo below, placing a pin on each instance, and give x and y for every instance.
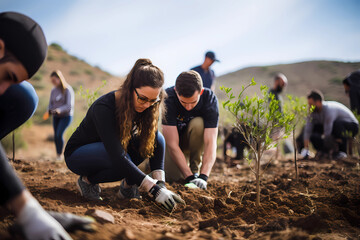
(331, 111)
(62, 101)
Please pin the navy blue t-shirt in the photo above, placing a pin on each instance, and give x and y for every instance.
(208, 77)
(177, 115)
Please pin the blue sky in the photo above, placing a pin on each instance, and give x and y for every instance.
(176, 34)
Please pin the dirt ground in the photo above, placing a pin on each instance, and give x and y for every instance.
(325, 204)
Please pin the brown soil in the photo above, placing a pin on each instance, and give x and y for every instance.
(325, 204)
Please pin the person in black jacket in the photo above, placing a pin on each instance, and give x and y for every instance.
(120, 131)
(352, 89)
(23, 49)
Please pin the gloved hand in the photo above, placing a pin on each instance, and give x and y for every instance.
(200, 181)
(72, 222)
(305, 153)
(37, 224)
(165, 197)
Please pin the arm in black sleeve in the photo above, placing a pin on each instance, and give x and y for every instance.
(355, 100)
(105, 122)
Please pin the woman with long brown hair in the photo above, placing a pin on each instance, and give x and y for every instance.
(119, 131)
(61, 107)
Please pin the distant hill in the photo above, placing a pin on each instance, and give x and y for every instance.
(76, 72)
(326, 76)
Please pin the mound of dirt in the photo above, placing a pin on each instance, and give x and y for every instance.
(324, 204)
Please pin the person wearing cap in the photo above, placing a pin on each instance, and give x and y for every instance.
(352, 89)
(206, 73)
(326, 127)
(23, 49)
(190, 128)
(280, 82)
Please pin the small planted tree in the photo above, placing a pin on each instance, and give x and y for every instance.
(297, 107)
(260, 121)
(91, 96)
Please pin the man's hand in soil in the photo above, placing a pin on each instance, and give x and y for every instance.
(37, 224)
(165, 197)
(72, 222)
(195, 181)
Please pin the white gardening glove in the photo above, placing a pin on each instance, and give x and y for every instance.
(165, 197)
(161, 195)
(305, 153)
(200, 181)
(37, 224)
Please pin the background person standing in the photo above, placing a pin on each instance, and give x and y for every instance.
(206, 73)
(61, 107)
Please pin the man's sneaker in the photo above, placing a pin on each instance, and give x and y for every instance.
(340, 156)
(127, 193)
(89, 191)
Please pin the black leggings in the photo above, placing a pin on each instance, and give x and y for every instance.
(93, 161)
(338, 131)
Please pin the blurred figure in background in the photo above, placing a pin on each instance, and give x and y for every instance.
(61, 107)
(328, 127)
(352, 89)
(280, 82)
(206, 73)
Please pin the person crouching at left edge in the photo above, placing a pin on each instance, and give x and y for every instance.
(120, 131)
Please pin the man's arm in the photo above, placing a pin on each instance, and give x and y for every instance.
(209, 157)
(172, 142)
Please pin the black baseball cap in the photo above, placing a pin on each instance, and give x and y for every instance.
(211, 55)
(25, 39)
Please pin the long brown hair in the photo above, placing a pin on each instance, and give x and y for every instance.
(143, 73)
(63, 84)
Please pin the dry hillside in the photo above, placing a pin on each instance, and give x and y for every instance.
(77, 73)
(304, 76)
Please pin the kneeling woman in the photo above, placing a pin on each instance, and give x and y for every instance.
(119, 131)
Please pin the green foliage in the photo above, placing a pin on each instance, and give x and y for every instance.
(40, 110)
(64, 60)
(56, 46)
(91, 96)
(50, 57)
(258, 118)
(88, 72)
(336, 81)
(37, 77)
(298, 107)
(7, 142)
(74, 72)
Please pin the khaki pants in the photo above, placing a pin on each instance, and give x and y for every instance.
(191, 143)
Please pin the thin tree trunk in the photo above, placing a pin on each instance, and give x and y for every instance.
(295, 160)
(258, 179)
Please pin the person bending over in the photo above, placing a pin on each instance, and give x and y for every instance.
(328, 126)
(190, 127)
(23, 49)
(120, 131)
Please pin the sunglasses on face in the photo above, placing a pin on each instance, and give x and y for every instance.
(143, 99)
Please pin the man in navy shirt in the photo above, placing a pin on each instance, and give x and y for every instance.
(190, 128)
(206, 73)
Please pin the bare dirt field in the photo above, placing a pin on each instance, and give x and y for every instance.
(325, 204)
